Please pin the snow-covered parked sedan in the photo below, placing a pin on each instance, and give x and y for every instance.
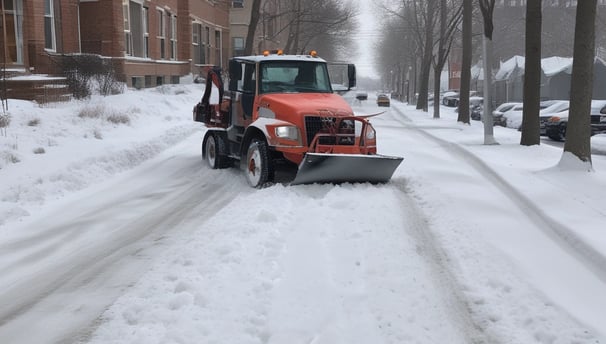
(555, 128)
(553, 108)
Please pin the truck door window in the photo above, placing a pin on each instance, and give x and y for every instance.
(248, 84)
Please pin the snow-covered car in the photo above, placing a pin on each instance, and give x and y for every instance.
(556, 125)
(382, 100)
(497, 114)
(451, 99)
(476, 106)
(551, 108)
(512, 118)
(361, 95)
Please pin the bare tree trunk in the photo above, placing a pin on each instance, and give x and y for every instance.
(297, 30)
(463, 115)
(441, 59)
(252, 27)
(578, 131)
(532, 75)
(427, 54)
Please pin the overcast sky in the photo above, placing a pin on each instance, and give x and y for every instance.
(367, 33)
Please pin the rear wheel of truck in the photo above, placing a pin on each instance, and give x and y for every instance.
(258, 164)
(213, 150)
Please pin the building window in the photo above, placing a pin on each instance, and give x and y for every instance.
(238, 46)
(136, 33)
(128, 41)
(13, 30)
(218, 58)
(197, 44)
(207, 44)
(145, 32)
(50, 40)
(162, 34)
(237, 4)
(173, 37)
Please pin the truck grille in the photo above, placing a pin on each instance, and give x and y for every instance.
(313, 125)
(327, 126)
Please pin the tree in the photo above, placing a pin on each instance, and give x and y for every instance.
(428, 20)
(252, 27)
(578, 131)
(448, 25)
(532, 75)
(320, 25)
(487, 8)
(463, 115)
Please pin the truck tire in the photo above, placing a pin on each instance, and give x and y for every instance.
(213, 150)
(258, 169)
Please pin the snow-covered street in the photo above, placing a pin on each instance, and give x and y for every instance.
(119, 233)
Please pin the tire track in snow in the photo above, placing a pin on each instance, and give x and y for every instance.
(560, 233)
(434, 255)
(99, 261)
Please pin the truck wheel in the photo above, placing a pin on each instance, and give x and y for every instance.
(258, 169)
(212, 150)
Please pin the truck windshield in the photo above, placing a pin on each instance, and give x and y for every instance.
(293, 77)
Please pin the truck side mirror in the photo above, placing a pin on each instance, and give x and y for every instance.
(351, 75)
(603, 111)
(235, 74)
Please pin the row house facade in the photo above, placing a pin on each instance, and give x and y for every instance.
(268, 35)
(150, 42)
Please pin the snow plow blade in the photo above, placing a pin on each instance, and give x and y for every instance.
(346, 168)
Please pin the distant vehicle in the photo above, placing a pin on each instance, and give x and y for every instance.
(513, 117)
(476, 106)
(497, 114)
(361, 96)
(382, 100)
(451, 99)
(555, 127)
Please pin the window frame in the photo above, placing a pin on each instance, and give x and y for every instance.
(50, 15)
(161, 33)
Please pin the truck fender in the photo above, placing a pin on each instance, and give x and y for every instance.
(258, 129)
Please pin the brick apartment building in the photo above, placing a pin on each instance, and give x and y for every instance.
(150, 42)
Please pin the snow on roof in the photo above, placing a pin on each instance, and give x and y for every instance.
(550, 66)
(510, 66)
(555, 64)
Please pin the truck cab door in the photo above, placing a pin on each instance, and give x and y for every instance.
(242, 84)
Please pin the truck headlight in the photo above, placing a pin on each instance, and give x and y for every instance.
(287, 132)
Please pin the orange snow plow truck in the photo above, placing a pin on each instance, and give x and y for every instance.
(280, 110)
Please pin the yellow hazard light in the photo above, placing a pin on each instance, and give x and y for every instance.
(313, 53)
(273, 52)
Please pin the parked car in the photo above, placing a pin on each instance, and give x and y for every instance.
(555, 127)
(361, 95)
(476, 106)
(497, 114)
(552, 108)
(382, 100)
(512, 118)
(451, 99)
